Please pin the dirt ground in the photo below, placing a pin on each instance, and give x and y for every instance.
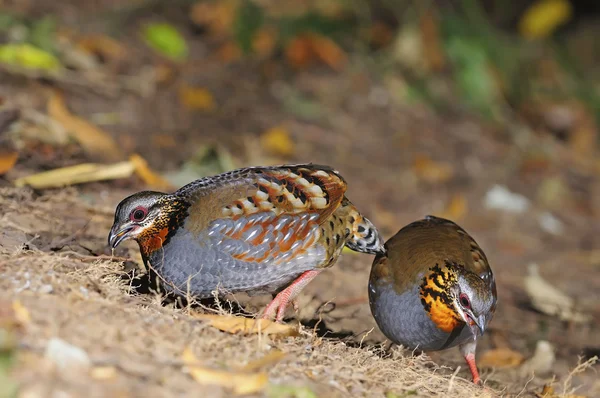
(55, 262)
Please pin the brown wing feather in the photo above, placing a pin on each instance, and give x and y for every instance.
(289, 189)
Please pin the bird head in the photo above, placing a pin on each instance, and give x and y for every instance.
(137, 216)
(473, 301)
(454, 296)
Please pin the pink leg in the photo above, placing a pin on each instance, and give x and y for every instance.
(280, 302)
(470, 358)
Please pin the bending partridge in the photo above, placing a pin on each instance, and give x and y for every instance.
(433, 289)
(256, 229)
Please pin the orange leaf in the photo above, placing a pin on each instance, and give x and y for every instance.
(95, 142)
(229, 52)
(500, 358)
(456, 209)
(217, 16)
(197, 98)
(328, 51)
(104, 46)
(147, 175)
(431, 171)
(8, 161)
(299, 52)
(264, 41)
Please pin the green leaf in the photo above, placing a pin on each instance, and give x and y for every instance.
(248, 21)
(166, 40)
(28, 56)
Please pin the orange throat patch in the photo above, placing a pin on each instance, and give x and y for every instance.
(436, 299)
(153, 240)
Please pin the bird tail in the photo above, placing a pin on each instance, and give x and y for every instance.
(364, 237)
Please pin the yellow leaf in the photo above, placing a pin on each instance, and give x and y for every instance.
(264, 41)
(103, 373)
(500, 358)
(277, 140)
(28, 56)
(21, 313)
(272, 357)
(197, 98)
(78, 174)
(8, 161)
(95, 142)
(240, 383)
(456, 209)
(240, 325)
(543, 17)
(147, 175)
(431, 171)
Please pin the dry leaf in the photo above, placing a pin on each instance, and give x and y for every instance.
(380, 34)
(197, 98)
(430, 37)
(272, 357)
(103, 373)
(549, 300)
(104, 46)
(548, 392)
(328, 51)
(240, 325)
(8, 161)
(500, 358)
(96, 143)
(542, 360)
(431, 171)
(78, 174)
(277, 141)
(21, 313)
(147, 175)
(456, 209)
(240, 383)
(264, 41)
(229, 52)
(216, 16)
(299, 52)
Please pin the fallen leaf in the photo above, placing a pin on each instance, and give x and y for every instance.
(216, 16)
(299, 52)
(28, 56)
(95, 142)
(430, 37)
(240, 383)
(104, 46)
(380, 34)
(549, 300)
(264, 41)
(142, 169)
(197, 98)
(165, 39)
(548, 392)
(21, 313)
(240, 325)
(501, 198)
(328, 51)
(8, 161)
(456, 209)
(272, 357)
(229, 52)
(431, 171)
(163, 141)
(542, 360)
(284, 391)
(103, 373)
(543, 17)
(78, 174)
(500, 358)
(66, 356)
(277, 141)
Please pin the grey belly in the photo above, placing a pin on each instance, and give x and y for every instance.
(403, 320)
(199, 267)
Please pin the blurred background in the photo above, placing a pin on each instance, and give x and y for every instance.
(481, 111)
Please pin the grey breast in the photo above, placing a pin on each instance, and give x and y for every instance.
(403, 320)
(199, 264)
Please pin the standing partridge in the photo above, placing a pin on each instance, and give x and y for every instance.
(433, 288)
(257, 229)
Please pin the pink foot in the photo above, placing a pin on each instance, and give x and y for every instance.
(470, 358)
(281, 301)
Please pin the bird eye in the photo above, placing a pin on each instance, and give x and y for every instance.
(464, 301)
(138, 214)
